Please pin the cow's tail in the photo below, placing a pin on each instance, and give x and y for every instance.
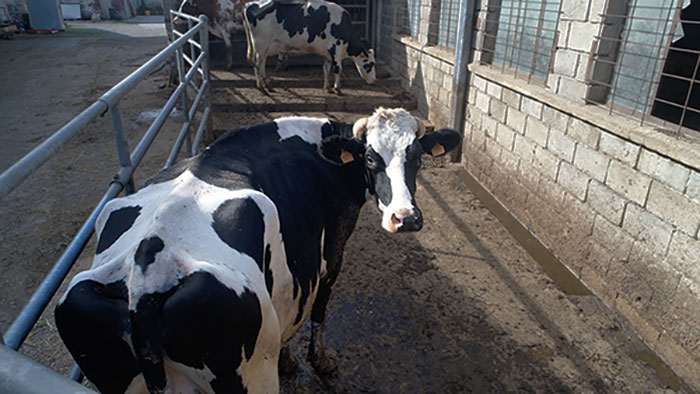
(146, 317)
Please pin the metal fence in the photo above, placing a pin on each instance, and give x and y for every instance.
(191, 57)
(645, 63)
(520, 37)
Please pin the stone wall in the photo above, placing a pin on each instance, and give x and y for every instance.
(617, 202)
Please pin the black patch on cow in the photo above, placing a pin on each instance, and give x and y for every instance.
(293, 20)
(344, 32)
(147, 338)
(146, 252)
(240, 224)
(376, 170)
(269, 281)
(368, 66)
(92, 321)
(118, 223)
(207, 324)
(412, 165)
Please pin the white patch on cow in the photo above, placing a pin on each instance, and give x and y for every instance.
(308, 129)
(389, 133)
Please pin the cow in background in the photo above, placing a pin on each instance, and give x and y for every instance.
(225, 18)
(305, 27)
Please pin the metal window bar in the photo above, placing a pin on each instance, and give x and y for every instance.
(521, 37)
(129, 161)
(647, 68)
(409, 17)
(447, 23)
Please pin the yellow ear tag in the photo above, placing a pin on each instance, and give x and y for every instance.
(346, 157)
(437, 150)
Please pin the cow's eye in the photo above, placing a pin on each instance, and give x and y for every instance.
(371, 163)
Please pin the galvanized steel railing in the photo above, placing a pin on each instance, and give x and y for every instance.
(197, 65)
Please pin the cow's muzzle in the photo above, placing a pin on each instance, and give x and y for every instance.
(402, 222)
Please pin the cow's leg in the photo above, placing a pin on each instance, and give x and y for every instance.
(338, 230)
(206, 324)
(337, 69)
(260, 61)
(326, 71)
(229, 48)
(93, 321)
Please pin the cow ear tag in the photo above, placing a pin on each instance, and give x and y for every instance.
(346, 157)
(437, 149)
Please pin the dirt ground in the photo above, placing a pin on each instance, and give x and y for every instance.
(459, 307)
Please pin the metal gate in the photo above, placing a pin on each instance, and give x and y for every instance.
(190, 51)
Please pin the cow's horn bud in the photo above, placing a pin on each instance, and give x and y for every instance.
(359, 128)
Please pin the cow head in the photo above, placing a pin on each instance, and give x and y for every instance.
(366, 65)
(390, 144)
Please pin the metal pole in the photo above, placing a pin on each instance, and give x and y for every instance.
(29, 315)
(20, 374)
(460, 81)
(204, 42)
(122, 148)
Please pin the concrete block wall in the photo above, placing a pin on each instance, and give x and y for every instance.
(426, 70)
(618, 203)
(615, 201)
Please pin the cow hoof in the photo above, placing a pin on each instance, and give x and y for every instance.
(287, 364)
(339, 93)
(324, 364)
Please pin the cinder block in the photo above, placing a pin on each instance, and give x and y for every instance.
(581, 35)
(482, 101)
(664, 170)
(498, 110)
(619, 149)
(527, 172)
(561, 145)
(693, 190)
(524, 148)
(532, 107)
(555, 118)
(505, 136)
(576, 10)
(546, 163)
(614, 238)
(683, 255)
(536, 131)
(479, 83)
(512, 98)
(572, 89)
(566, 63)
(648, 229)
(591, 161)
(606, 202)
(516, 120)
(675, 208)
(509, 161)
(631, 184)
(494, 90)
(584, 132)
(489, 125)
(493, 149)
(573, 180)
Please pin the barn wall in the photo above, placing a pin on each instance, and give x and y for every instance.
(426, 70)
(618, 203)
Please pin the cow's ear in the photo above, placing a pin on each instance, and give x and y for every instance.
(341, 151)
(440, 142)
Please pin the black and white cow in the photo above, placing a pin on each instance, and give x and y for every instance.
(306, 27)
(201, 277)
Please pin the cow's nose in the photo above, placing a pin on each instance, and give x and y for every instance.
(412, 223)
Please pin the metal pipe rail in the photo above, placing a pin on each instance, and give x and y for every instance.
(17, 173)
